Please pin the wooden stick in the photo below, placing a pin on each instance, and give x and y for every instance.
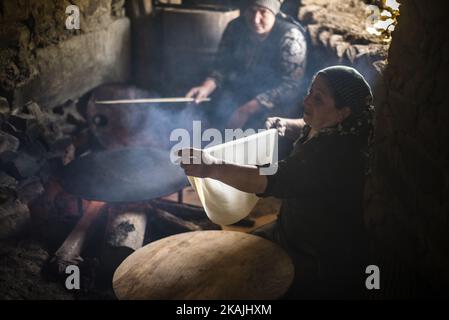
(183, 210)
(170, 223)
(125, 232)
(70, 250)
(151, 100)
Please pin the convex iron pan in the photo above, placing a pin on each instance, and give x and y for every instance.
(123, 175)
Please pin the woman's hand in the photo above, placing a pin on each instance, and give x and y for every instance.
(197, 163)
(290, 128)
(243, 113)
(280, 124)
(202, 92)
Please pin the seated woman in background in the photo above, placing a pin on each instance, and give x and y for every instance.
(321, 185)
(259, 68)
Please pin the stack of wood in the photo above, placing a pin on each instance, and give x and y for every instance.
(32, 143)
(127, 226)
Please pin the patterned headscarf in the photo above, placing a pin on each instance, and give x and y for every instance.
(351, 89)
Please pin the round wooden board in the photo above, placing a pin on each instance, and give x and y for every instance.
(205, 265)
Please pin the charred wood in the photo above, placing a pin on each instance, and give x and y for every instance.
(125, 232)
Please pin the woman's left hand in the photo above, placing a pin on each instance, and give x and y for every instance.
(242, 114)
(197, 162)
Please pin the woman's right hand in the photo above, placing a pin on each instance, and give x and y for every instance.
(202, 92)
(280, 124)
(290, 128)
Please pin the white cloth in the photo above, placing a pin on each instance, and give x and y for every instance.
(225, 204)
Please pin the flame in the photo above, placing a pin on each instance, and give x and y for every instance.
(92, 207)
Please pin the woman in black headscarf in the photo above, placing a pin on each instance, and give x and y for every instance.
(321, 186)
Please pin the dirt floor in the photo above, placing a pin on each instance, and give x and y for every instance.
(21, 277)
(25, 270)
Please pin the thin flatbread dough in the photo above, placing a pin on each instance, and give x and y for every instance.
(224, 204)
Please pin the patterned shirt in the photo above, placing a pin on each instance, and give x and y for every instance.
(270, 71)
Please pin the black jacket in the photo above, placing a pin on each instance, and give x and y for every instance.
(321, 186)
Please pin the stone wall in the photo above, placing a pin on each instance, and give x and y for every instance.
(35, 46)
(338, 35)
(407, 195)
(44, 69)
(407, 211)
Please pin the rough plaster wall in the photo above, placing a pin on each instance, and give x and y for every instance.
(69, 69)
(408, 203)
(407, 193)
(29, 25)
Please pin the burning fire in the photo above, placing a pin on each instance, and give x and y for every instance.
(92, 207)
(382, 19)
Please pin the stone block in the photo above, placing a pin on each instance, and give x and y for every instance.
(341, 48)
(306, 14)
(14, 215)
(313, 31)
(324, 37)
